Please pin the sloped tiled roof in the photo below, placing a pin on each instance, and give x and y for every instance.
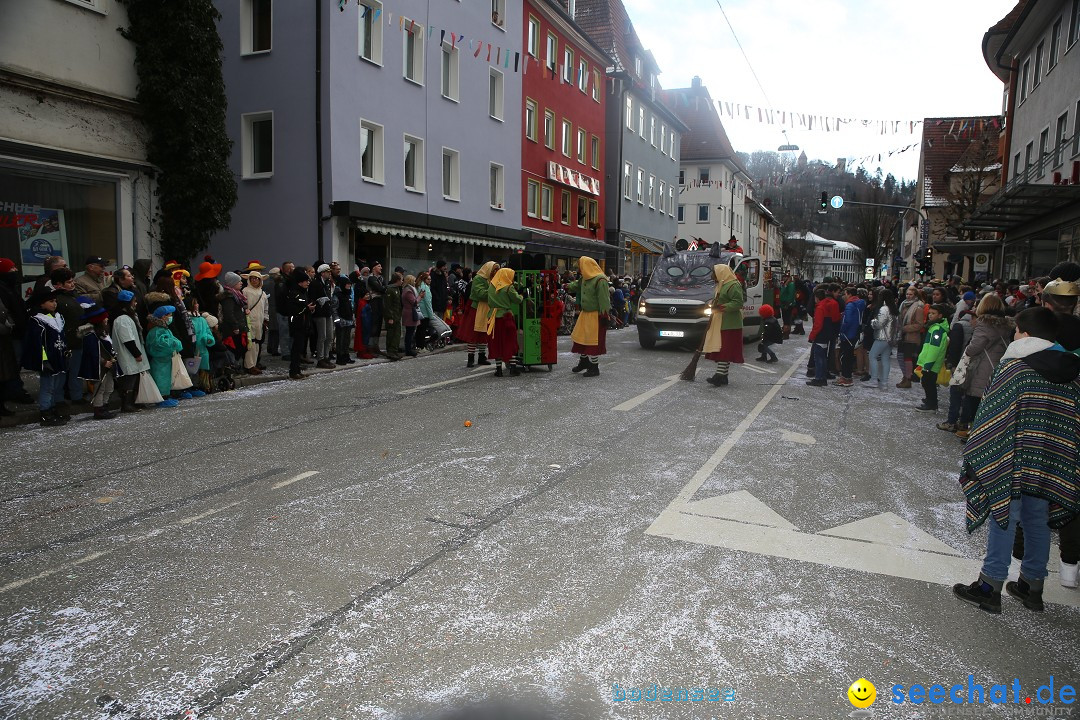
(995, 37)
(944, 142)
(707, 139)
(608, 23)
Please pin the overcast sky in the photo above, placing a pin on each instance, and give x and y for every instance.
(865, 59)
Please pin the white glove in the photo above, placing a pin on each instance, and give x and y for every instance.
(323, 300)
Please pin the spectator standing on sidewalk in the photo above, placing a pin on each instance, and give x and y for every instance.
(826, 327)
(391, 307)
(932, 356)
(343, 317)
(991, 333)
(850, 333)
(440, 289)
(911, 334)
(320, 293)
(45, 353)
(410, 310)
(234, 323)
(258, 304)
(281, 289)
(68, 307)
(299, 307)
(376, 287)
(92, 282)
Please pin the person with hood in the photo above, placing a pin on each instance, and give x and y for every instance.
(45, 352)
(590, 330)
(724, 339)
(503, 299)
(472, 328)
(959, 337)
(883, 314)
(207, 288)
(912, 325)
(932, 356)
(771, 334)
(234, 324)
(991, 333)
(258, 306)
(826, 328)
(161, 345)
(850, 332)
(1020, 460)
(320, 293)
(141, 272)
(98, 359)
(391, 307)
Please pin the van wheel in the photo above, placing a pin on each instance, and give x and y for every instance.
(646, 339)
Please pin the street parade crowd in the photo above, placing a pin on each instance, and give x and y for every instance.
(1006, 355)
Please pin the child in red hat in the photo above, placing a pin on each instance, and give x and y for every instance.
(771, 334)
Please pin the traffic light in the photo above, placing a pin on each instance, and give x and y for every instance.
(824, 200)
(924, 262)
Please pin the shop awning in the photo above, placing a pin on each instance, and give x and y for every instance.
(647, 245)
(440, 235)
(1020, 203)
(543, 241)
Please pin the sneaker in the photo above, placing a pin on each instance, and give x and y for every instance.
(981, 594)
(1023, 592)
(865, 378)
(844, 382)
(1069, 575)
(817, 383)
(905, 383)
(962, 433)
(946, 426)
(197, 393)
(297, 376)
(925, 408)
(168, 403)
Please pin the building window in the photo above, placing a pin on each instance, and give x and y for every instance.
(682, 176)
(671, 200)
(596, 85)
(1024, 74)
(703, 213)
(627, 178)
(545, 202)
(594, 214)
(581, 139)
(1055, 46)
(1062, 139)
(371, 151)
(450, 72)
(629, 113)
(703, 175)
(532, 199)
(414, 164)
(568, 65)
(671, 145)
(1037, 70)
(1044, 150)
(638, 67)
(680, 213)
(652, 192)
(552, 51)
(534, 37)
(1076, 128)
(371, 32)
(564, 208)
(640, 186)
(498, 13)
(663, 197)
(1074, 23)
(413, 48)
(567, 140)
(652, 131)
(451, 174)
(530, 119)
(258, 145)
(549, 129)
(583, 75)
(641, 122)
(1016, 165)
(663, 139)
(495, 94)
(595, 152)
(582, 212)
(257, 20)
(496, 187)
(1027, 156)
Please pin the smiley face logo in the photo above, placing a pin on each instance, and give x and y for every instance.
(862, 693)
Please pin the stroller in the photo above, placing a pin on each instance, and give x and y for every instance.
(223, 365)
(432, 333)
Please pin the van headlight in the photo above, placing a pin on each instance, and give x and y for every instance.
(708, 310)
(641, 309)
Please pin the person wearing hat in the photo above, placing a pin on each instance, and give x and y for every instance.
(392, 306)
(723, 340)
(92, 282)
(11, 296)
(376, 288)
(203, 324)
(343, 317)
(299, 309)
(503, 298)
(590, 330)
(207, 288)
(771, 334)
(45, 352)
(320, 292)
(1060, 294)
(98, 364)
(234, 323)
(472, 327)
(69, 307)
(258, 304)
(440, 289)
(161, 345)
(127, 336)
(253, 265)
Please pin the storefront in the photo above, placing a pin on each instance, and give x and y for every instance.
(639, 254)
(562, 252)
(417, 249)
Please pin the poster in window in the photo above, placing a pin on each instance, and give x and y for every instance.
(41, 234)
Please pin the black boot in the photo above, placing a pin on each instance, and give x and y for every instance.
(498, 370)
(4, 412)
(593, 370)
(980, 593)
(582, 364)
(61, 418)
(103, 413)
(472, 360)
(514, 371)
(482, 360)
(127, 402)
(1023, 591)
(715, 380)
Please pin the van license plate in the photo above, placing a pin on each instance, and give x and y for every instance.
(672, 333)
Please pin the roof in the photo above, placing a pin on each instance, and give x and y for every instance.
(995, 38)
(707, 138)
(944, 142)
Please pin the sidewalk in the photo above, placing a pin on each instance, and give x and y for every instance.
(276, 370)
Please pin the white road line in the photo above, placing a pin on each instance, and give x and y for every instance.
(290, 481)
(15, 584)
(634, 402)
(762, 371)
(440, 384)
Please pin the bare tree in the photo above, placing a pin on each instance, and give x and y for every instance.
(974, 178)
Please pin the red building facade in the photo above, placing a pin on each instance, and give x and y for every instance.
(563, 138)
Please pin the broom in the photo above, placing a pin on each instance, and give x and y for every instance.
(691, 369)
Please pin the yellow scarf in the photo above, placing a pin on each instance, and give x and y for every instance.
(502, 279)
(587, 328)
(713, 338)
(480, 319)
(487, 269)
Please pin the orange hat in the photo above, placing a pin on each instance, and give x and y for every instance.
(254, 265)
(766, 311)
(208, 269)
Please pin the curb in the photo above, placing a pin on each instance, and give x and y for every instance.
(32, 417)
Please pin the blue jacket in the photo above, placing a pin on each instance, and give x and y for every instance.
(851, 327)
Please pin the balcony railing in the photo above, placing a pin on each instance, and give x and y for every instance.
(1059, 157)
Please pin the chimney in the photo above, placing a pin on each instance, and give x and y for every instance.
(696, 82)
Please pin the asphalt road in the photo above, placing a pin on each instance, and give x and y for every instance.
(345, 547)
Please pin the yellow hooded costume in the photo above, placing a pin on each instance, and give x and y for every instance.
(727, 306)
(502, 279)
(594, 298)
(485, 272)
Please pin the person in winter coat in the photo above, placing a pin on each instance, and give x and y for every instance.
(258, 306)
(883, 314)
(204, 324)
(932, 356)
(93, 281)
(320, 292)
(826, 328)
(787, 304)
(69, 307)
(161, 345)
(45, 352)
(343, 317)
(503, 299)
(299, 308)
(912, 327)
(376, 290)
(11, 296)
(391, 307)
(127, 336)
(771, 334)
(724, 338)
(410, 302)
(234, 325)
(1020, 460)
(992, 331)
(472, 328)
(440, 289)
(959, 337)
(590, 330)
(98, 359)
(141, 272)
(9, 363)
(850, 332)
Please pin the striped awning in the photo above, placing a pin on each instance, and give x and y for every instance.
(440, 235)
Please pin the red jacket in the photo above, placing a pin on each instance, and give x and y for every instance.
(826, 320)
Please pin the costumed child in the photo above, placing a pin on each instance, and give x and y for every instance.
(134, 375)
(258, 318)
(503, 298)
(45, 352)
(771, 334)
(472, 330)
(161, 345)
(98, 364)
(590, 330)
(724, 340)
(203, 324)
